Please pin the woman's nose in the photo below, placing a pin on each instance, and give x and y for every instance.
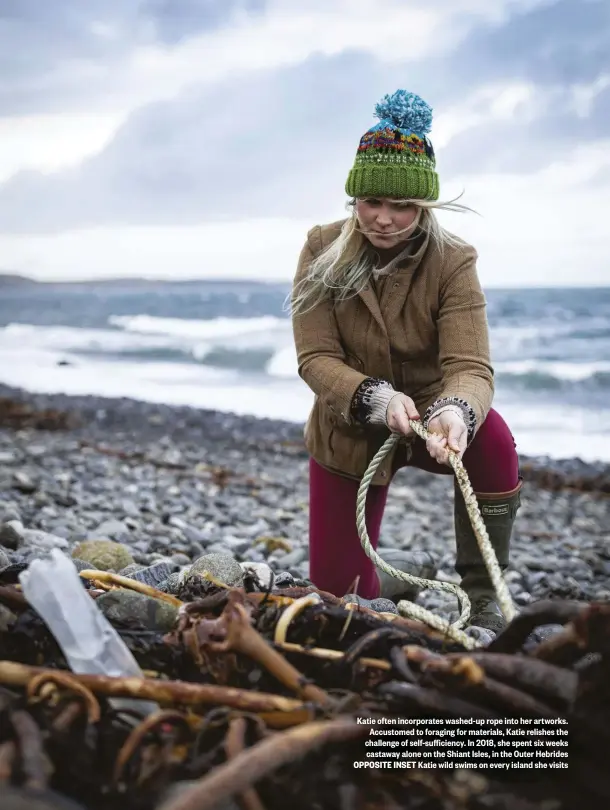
(383, 217)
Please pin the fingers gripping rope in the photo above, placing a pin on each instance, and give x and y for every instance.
(410, 609)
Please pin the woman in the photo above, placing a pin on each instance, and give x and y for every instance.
(389, 324)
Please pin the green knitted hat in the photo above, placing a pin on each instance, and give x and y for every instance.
(395, 158)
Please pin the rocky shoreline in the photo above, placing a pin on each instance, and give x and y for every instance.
(171, 485)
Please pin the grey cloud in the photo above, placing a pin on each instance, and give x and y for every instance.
(60, 53)
(553, 46)
(275, 144)
(51, 51)
(270, 145)
(522, 146)
(280, 142)
(175, 20)
(564, 41)
(35, 35)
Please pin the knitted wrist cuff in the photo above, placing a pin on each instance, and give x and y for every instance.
(371, 401)
(467, 411)
(379, 401)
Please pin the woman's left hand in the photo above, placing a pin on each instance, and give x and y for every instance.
(448, 431)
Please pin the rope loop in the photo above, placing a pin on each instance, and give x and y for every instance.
(410, 609)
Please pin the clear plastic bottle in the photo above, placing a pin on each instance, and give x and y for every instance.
(89, 642)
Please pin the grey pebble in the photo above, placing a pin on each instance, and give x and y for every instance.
(480, 634)
(141, 545)
(194, 535)
(284, 580)
(40, 539)
(380, 605)
(24, 483)
(137, 610)
(533, 579)
(9, 511)
(131, 569)
(236, 545)
(541, 634)
(180, 559)
(11, 534)
(223, 567)
(384, 606)
(294, 558)
(262, 572)
(164, 517)
(154, 574)
(216, 548)
(178, 523)
(171, 585)
(112, 529)
(130, 508)
(83, 565)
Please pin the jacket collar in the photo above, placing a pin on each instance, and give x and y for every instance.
(403, 276)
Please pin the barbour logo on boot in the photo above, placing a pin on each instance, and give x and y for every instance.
(498, 509)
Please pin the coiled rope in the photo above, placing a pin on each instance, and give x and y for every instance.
(410, 609)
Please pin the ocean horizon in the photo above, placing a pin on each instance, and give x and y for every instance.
(227, 346)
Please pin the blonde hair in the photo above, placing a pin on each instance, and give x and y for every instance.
(345, 266)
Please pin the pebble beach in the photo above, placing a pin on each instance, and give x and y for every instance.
(169, 485)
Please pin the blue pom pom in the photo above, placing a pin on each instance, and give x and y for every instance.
(405, 111)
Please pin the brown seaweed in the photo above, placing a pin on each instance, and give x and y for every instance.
(260, 707)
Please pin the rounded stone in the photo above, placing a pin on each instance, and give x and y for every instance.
(260, 573)
(481, 634)
(104, 554)
(382, 605)
(82, 565)
(171, 584)
(11, 534)
(130, 569)
(137, 611)
(284, 580)
(222, 567)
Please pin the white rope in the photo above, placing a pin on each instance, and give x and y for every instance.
(410, 609)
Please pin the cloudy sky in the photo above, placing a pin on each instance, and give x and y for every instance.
(194, 138)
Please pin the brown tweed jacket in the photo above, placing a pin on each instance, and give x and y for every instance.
(428, 337)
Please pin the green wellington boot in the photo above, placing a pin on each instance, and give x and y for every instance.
(498, 512)
(417, 563)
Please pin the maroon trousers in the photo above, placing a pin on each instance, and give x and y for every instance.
(336, 557)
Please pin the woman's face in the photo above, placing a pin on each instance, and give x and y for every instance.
(381, 219)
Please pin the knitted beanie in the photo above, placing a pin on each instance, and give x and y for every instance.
(395, 158)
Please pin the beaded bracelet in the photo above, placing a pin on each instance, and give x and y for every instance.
(469, 415)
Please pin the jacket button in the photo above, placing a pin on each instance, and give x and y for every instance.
(383, 473)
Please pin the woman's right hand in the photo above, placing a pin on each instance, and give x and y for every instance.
(401, 408)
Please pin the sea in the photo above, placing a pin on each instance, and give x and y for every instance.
(228, 346)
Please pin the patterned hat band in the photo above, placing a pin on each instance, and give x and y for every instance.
(395, 158)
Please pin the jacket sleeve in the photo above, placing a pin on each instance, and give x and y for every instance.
(320, 354)
(463, 334)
